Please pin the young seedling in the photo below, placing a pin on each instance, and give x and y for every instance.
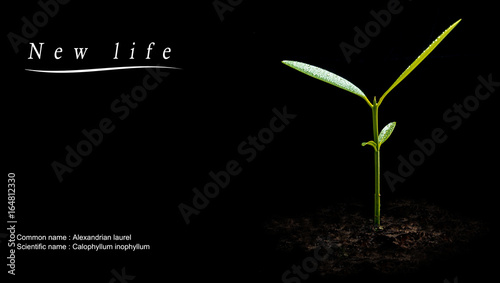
(378, 137)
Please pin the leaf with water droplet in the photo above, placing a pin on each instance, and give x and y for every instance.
(386, 132)
(420, 58)
(326, 76)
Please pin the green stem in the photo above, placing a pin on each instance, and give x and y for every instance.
(376, 219)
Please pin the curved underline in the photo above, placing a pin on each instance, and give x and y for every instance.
(100, 69)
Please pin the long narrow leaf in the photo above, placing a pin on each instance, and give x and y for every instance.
(386, 133)
(420, 58)
(327, 77)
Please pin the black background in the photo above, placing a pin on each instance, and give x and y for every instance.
(231, 79)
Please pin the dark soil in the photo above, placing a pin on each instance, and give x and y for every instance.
(416, 236)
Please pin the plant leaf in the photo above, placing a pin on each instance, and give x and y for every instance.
(327, 77)
(420, 58)
(372, 143)
(386, 132)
